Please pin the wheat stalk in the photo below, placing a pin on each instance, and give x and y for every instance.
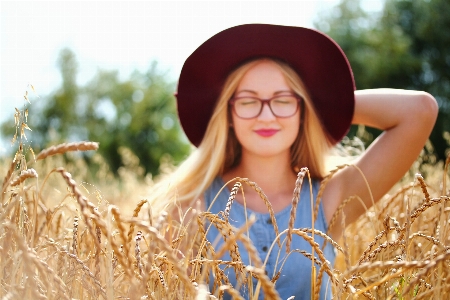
(6, 181)
(323, 184)
(267, 286)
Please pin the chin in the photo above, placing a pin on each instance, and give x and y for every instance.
(264, 151)
(267, 147)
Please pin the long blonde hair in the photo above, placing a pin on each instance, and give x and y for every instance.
(220, 151)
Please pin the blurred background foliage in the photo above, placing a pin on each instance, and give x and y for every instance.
(406, 45)
(138, 114)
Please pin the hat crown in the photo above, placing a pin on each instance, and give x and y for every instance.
(318, 60)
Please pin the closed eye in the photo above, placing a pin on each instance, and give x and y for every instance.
(246, 101)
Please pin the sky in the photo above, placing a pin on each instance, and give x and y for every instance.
(121, 35)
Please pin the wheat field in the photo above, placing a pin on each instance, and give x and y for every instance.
(62, 237)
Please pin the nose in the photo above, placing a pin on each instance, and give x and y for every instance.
(266, 113)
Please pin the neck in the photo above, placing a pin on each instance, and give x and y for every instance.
(273, 174)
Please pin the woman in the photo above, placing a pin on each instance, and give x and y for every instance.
(263, 101)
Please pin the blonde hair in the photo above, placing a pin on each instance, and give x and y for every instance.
(220, 151)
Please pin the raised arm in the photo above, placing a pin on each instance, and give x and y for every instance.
(407, 118)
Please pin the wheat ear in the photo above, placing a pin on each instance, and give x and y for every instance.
(263, 196)
(66, 147)
(82, 202)
(231, 198)
(423, 186)
(126, 243)
(227, 232)
(24, 175)
(161, 242)
(135, 214)
(295, 199)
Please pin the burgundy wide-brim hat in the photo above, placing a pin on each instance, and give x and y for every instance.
(318, 60)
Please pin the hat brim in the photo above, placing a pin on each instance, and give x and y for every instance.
(319, 61)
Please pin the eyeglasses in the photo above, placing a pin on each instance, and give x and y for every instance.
(282, 106)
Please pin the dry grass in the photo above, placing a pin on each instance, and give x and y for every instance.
(58, 240)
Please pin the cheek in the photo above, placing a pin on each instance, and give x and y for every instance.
(293, 131)
(292, 125)
(238, 125)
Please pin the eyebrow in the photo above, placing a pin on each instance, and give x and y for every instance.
(254, 92)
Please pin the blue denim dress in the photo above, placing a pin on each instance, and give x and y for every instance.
(295, 277)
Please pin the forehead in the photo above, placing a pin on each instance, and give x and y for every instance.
(264, 77)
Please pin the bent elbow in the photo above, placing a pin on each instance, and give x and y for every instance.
(428, 109)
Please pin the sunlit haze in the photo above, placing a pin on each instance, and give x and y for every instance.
(121, 35)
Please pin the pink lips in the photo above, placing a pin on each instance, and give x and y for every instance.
(266, 132)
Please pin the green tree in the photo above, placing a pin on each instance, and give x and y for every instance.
(59, 110)
(426, 22)
(404, 46)
(138, 113)
(52, 117)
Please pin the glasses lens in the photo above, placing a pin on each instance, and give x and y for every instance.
(247, 107)
(284, 106)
